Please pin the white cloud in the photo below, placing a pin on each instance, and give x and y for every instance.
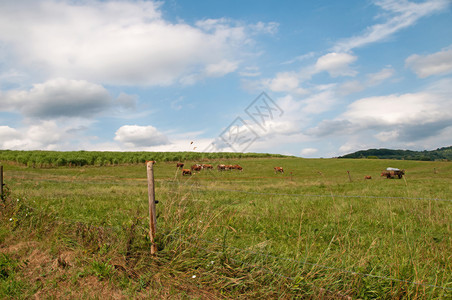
(285, 82)
(406, 117)
(379, 77)
(116, 42)
(221, 68)
(320, 102)
(134, 136)
(433, 64)
(336, 64)
(43, 135)
(350, 87)
(386, 136)
(308, 151)
(354, 86)
(250, 72)
(58, 98)
(400, 14)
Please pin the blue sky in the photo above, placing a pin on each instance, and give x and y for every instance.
(306, 78)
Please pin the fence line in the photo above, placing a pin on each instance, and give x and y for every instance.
(261, 254)
(199, 187)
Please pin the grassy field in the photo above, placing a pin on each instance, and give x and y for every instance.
(312, 232)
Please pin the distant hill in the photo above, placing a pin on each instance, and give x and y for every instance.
(444, 153)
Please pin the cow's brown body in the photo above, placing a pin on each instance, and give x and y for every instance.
(237, 167)
(196, 167)
(186, 172)
(179, 165)
(279, 169)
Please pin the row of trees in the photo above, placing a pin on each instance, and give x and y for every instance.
(98, 158)
(444, 153)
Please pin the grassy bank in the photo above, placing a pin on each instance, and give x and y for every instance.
(311, 231)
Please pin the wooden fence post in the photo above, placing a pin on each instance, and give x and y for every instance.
(152, 214)
(349, 177)
(1, 182)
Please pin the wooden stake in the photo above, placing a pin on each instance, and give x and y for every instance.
(1, 182)
(151, 196)
(349, 177)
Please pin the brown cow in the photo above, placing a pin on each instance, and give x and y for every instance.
(228, 167)
(207, 166)
(367, 177)
(279, 169)
(179, 165)
(186, 172)
(196, 167)
(237, 167)
(221, 167)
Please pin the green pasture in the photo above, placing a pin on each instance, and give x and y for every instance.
(315, 226)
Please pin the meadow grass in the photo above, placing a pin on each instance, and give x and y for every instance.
(309, 232)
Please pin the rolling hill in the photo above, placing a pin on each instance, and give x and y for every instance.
(444, 153)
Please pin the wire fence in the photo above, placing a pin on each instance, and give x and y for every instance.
(203, 188)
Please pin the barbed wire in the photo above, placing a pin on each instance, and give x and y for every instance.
(199, 187)
(60, 220)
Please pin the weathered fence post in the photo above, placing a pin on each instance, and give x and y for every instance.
(152, 214)
(1, 182)
(349, 177)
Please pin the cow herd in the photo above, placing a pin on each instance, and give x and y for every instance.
(220, 167)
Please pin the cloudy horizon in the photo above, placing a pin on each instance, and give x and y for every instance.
(318, 79)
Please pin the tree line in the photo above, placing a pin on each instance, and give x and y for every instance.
(41, 159)
(444, 153)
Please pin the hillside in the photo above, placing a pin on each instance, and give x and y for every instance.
(444, 153)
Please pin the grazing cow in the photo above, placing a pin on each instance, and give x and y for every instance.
(207, 166)
(367, 177)
(186, 172)
(279, 169)
(229, 167)
(221, 167)
(196, 167)
(179, 165)
(237, 167)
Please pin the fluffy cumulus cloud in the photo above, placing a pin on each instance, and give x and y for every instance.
(58, 98)
(134, 136)
(118, 42)
(433, 64)
(394, 118)
(42, 135)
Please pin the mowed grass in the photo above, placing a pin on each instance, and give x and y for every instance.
(312, 229)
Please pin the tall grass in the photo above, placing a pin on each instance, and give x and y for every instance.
(253, 233)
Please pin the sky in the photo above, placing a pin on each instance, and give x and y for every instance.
(304, 78)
